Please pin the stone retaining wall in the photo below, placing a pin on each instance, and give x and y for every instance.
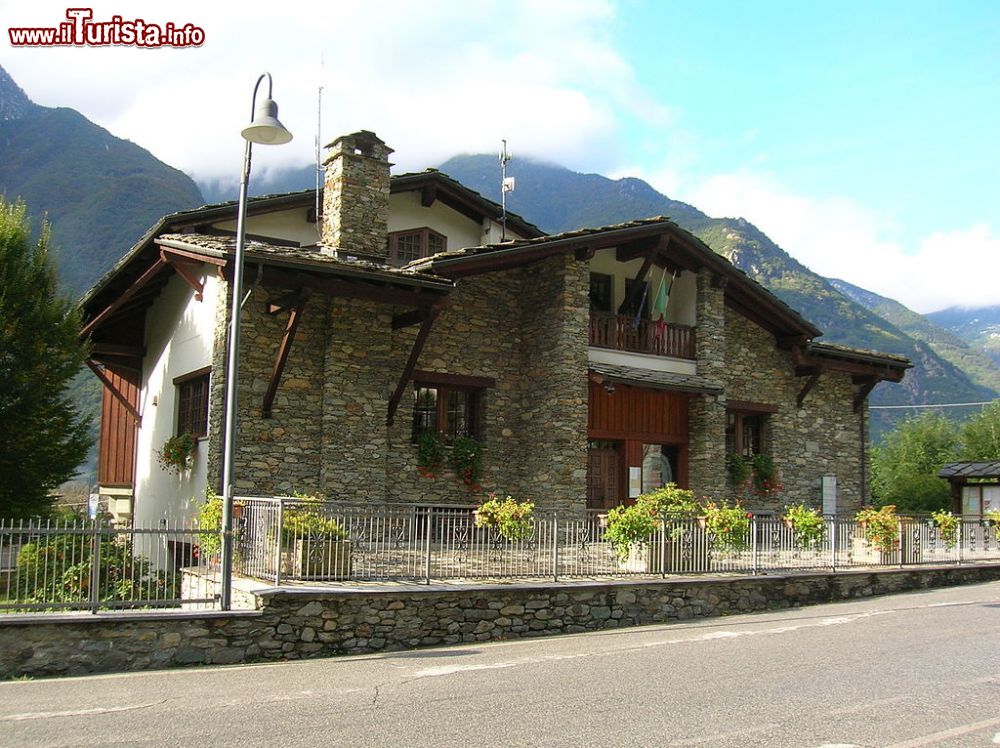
(293, 624)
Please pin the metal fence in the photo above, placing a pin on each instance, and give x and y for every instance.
(48, 565)
(282, 540)
(94, 566)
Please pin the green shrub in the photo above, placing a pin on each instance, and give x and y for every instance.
(881, 527)
(947, 525)
(807, 524)
(727, 524)
(510, 518)
(629, 526)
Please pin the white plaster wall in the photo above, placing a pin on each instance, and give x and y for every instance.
(680, 305)
(179, 334)
(406, 212)
(290, 225)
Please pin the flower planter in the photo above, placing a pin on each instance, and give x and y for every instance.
(677, 557)
(317, 559)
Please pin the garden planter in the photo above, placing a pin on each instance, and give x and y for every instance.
(317, 559)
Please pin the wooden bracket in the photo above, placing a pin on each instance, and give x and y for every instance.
(429, 315)
(806, 389)
(287, 338)
(115, 393)
(187, 270)
(863, 393)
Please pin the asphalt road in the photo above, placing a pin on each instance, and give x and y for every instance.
(911, 670)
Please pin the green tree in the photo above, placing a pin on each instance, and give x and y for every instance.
(43, 438)
(981, 434)
(904, 467)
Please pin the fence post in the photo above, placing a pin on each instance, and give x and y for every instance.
(663, 547)
(902, 550)
(427, 540)
(959, 540)
(753, 543)
(555, 547)
(278, 539)
(95, 567)
(833, 543)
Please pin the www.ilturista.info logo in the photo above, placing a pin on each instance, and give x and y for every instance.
(81, 31)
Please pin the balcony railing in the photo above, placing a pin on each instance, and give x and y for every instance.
(620, 333)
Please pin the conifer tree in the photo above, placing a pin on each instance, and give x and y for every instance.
(43, 437)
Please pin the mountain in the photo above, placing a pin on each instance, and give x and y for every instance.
(979, 327)
(99, 192)
(558, 199)
(967, 355)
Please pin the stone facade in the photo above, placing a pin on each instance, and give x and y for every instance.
(356, 196)
(293, 625)
(823, 437)
(706, 414)
(525, 328)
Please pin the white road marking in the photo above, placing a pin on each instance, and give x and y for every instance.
(76, 712)
(954, 732)
(710, 636)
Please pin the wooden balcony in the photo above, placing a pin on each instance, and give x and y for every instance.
(621, 334)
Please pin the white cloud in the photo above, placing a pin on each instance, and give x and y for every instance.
(432, 79)
(840, 238)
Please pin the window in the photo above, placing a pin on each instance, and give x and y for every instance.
(406, 246)
(448, 404)
(192, 403)
(601, 292)
(746, 429)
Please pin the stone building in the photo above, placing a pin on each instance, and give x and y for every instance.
(588, 366)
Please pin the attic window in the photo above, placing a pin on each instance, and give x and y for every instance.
(412, 244)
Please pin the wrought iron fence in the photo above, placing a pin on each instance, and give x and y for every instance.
(292, 539)
(49, 565)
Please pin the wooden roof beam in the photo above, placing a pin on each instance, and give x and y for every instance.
(127, 294)
(632, 299)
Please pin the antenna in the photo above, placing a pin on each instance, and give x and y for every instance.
(506, 185)
(319, 161)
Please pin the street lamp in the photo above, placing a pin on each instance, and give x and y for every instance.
(264, 128)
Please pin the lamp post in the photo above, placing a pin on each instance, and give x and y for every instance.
(265, 129)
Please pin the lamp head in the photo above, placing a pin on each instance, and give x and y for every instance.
(265, 128)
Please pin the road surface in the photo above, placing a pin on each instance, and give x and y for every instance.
(919, 669)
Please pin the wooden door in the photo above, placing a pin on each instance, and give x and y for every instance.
(603, 478)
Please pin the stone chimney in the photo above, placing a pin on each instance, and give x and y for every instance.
(356, 194)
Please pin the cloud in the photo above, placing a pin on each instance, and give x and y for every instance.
(838, 237)
(432, 79)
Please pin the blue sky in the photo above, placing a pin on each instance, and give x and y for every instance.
(862, 137)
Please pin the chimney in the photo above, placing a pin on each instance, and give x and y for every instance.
(356, 194)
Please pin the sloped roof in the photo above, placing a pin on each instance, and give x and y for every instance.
(313, 258)
(657, 379)
(958, 470)
(742, 291)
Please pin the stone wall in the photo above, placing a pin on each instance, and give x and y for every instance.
(823, 437)
(554, 408)
(707, 415)
(307, 623)
(525, 328)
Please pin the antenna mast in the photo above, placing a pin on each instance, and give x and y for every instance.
(506, 185)
(319, 161)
